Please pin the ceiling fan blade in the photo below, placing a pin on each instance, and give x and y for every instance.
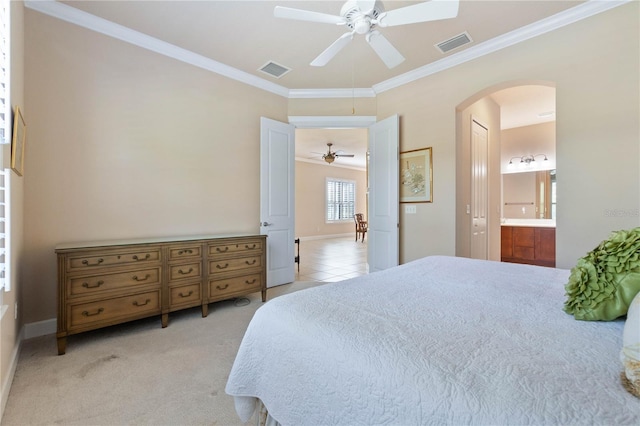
(422, 12)
(332, 50)
(389, 54)
(344, 155)
(307, 15)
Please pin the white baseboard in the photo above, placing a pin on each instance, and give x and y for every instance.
(325, 237)
(8, 380)
(40, 328)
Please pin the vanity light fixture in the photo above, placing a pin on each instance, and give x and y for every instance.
(526, 160)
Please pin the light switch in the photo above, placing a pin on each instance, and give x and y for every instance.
(410, 209)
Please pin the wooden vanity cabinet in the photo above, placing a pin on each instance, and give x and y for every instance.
(102, 284)
(529, 244)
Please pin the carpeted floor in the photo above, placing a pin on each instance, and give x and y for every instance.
(137, 373)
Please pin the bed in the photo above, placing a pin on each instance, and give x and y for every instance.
(440, 340)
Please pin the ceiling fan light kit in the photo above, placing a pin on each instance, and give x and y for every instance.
(330, 156)
(363, 16)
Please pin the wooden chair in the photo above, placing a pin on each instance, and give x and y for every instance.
(361, 225)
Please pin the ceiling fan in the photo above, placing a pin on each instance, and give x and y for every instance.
(330, 156)
(364, 16)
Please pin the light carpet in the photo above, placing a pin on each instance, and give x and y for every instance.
(137, 373)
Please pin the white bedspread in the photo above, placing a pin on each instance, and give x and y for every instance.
(441, 340)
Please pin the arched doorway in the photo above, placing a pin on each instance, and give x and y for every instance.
(494, 107)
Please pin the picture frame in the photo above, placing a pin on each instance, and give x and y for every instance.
(416, 176)
(17, 143)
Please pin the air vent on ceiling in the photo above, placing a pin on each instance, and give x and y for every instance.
(274, 70)
(454, 42)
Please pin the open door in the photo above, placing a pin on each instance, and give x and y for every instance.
(277, 203)
(383, 246)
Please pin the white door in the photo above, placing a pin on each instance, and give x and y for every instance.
(479, 188)
(383, 251)
(277, 203)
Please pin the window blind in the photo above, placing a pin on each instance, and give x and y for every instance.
(341, 198)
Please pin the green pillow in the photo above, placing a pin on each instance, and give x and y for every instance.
(604, 282)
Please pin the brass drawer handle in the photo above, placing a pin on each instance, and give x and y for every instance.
(222, 251)
(146, 302)
(226, 265)
(250, 248)
(86, 262)
(250, 263)
(146, 257)
(98, 284)
(185, 295)
(187, 251)
(136, 278)
(87, 314)
(222, 288)
(249, 283)
(185, 273)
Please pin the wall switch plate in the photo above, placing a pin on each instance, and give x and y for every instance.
(410, 209)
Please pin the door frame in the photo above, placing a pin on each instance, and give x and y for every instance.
(334, 122)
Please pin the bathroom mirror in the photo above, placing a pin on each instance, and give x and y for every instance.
(529, 195)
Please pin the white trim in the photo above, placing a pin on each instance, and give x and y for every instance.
(11, 372)
(103, 26)
(331, 93)
(40, 328)
(559, 20)
(325, 237)
(120, 32)
(334, 165)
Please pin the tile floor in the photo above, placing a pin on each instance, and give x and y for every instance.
(331, 259)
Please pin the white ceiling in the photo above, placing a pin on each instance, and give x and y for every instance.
(236, 38)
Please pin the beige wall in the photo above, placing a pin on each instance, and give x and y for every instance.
(124, 142)
(311, 198)
(10, 333)
(597, 129)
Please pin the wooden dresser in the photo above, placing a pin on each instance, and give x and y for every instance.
(528, 244)
(107, 283)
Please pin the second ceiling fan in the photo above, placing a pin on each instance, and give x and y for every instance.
(364, 16)
(330, 156)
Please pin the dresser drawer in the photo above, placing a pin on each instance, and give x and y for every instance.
(186, 294)
(187, 270)
(226, 265)
(112, 310)
(94, 284)
(248, 245)
(185, 252)
(245, 284)
(113, 258)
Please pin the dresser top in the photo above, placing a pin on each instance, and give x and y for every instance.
(131, 241)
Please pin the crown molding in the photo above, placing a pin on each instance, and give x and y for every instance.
(559, 20)
(72, 15)
(334, 164)
(332, 93)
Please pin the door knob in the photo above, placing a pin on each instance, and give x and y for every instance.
(265, 224)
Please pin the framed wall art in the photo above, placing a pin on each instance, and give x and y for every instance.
(17, 143)
(416, 176)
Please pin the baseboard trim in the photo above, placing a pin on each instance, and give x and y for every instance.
(325, 237)
(40, 328)
(8, 380)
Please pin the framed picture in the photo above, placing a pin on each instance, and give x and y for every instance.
(416, 176)
(17, 143)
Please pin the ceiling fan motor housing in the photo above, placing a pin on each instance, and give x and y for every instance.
(358, 20)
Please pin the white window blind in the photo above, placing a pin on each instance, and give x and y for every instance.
(341, 199)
